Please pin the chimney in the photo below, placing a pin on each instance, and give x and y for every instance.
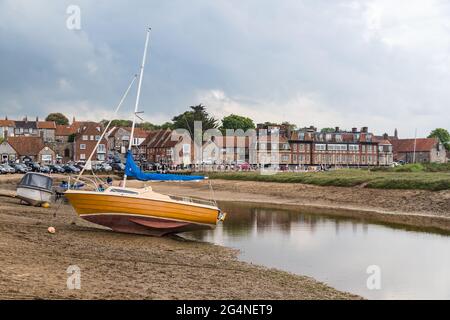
(385, 136)
(364, 129)
(25, 119)
(396, 133)
(37, 119)
(73, 120)
(337, 129)
(354, 130)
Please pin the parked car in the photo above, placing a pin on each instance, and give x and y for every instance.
(69, 168)
(244, 166)
(34, 166)
(45, 169)
(20, 168)
(117, 166)
(3, 170)
(106, 167)
(56, 168)
(8, 168)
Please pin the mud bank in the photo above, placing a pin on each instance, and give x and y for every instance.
(34, 263)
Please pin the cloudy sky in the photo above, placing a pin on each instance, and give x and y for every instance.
(381, 63)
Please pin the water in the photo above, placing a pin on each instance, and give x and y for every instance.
(338, 251)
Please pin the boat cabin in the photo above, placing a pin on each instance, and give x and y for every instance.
(38, 181)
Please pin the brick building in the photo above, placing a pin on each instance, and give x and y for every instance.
(419, 150)
(85, 141)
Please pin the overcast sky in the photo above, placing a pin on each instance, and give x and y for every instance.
(383, 64)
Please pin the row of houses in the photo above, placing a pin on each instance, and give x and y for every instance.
(303, 147)
(46, 142)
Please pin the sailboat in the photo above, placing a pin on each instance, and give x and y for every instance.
(142, 210)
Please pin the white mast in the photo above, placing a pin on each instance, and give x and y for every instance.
(88, 162)
(136, 106)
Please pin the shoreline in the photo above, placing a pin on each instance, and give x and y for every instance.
(113, 265)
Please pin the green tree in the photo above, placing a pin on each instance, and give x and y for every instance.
(236, 122)
(443, 135)
(197, 113)
(327, 130)
(59, 118)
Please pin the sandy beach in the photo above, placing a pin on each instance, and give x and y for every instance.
(121, 266)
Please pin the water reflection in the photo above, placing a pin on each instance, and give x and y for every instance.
(338, 251)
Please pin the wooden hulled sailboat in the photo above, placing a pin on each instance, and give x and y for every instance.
(143, 211)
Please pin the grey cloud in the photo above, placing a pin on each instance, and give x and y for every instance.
(260, 54)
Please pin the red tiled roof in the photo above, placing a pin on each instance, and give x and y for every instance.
(159, 139)
(26, 146)
(46, 125)
(407, 145)
(380, 140)
(68, 130)
(7, 123)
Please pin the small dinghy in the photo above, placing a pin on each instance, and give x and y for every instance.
(35, 188)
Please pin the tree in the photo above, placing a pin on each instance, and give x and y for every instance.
(236, 122)
(289, 125)
(197, 113)
(443, 135)
(59, 118)
(327, 130)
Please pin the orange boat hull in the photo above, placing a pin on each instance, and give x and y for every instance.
(142, 215)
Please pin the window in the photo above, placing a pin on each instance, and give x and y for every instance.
(123, 191)
(85, 138)
(285, 158)
(97, 138)
(338, 138)
(262, 146)
(101, 148)
(101, 156)
(353, 147)
(82, 156)
(92, 138)
(82, 146)
(321, 147)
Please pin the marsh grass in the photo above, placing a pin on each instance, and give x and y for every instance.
(350, 178)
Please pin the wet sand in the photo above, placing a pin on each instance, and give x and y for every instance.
(120, 266)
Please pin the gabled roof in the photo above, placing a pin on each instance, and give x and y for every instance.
(62, 130)
(7, 123)
(160, 139)
(407, 145)
(26, 146)
(89, 128)
(46, 125)
(25, 124)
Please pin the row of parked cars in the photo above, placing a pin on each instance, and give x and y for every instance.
(70, 168)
